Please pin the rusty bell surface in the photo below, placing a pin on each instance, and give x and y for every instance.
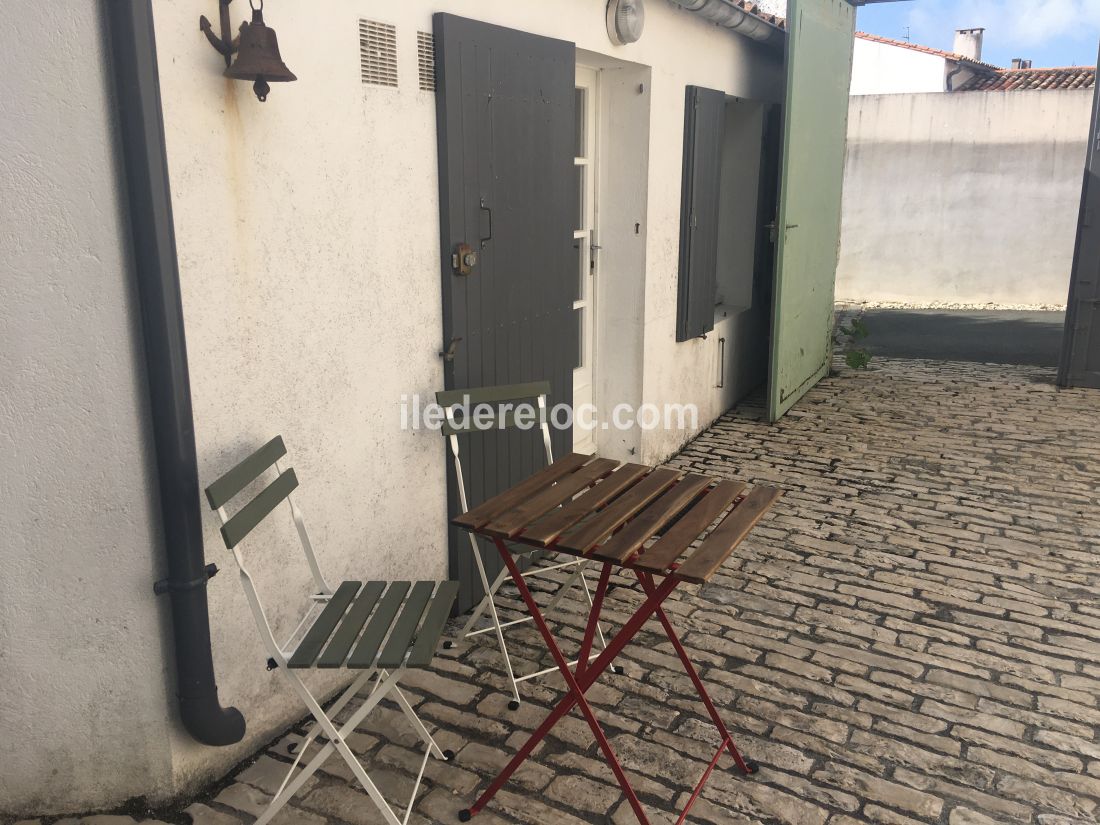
(258, 57)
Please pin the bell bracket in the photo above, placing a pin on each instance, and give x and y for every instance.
(226, 45)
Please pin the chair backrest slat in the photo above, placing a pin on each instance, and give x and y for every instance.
(489, 399)
(246, 519)
(477, 423)
(489, 395)
(221, 491)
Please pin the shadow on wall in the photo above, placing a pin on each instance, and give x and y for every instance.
(993, 337)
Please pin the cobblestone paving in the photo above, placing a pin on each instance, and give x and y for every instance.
(912, 637)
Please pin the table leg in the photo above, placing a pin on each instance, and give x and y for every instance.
(594, 619)
(746, 767)
(577, 687)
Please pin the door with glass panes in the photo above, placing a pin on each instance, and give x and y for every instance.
(585, 427)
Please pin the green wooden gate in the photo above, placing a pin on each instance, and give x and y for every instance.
(819, 69)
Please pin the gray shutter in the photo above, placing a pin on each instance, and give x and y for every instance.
(704, 123)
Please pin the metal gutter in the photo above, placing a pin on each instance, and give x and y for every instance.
(729, 15)
(145, 167)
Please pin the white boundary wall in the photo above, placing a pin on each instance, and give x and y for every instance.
(964, 198)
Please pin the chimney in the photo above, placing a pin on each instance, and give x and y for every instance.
(1020, 63)
(968, 43)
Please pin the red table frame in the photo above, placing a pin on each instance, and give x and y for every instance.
(579, 681)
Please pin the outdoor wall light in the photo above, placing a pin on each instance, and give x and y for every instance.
(625, 21)
(256, 47)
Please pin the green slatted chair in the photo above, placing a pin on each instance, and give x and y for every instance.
(378, 629)
(499, 413)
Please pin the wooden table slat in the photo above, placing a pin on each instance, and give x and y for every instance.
(512, 522)
(553, 524)
(660, 512)
(716, 548)
(483, 513)
(591, 532)
(664, 552)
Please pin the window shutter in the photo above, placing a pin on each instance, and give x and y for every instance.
(704, 123)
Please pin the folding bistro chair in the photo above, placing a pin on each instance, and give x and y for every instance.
(496, 408)
(403, 625)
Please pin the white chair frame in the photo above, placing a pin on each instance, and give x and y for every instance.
(385, 684)
(488, 601)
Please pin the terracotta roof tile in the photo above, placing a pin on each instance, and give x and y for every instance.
(1010, 80)
(889, 41)
(756, 11)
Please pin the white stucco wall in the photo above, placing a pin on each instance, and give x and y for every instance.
(307, 233)
(882, 69)
(687, 372)
(967, 198)
(85, 708)
(307, 230)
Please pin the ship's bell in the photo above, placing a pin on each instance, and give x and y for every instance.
(258, 57)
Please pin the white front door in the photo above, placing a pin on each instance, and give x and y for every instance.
(584, 240)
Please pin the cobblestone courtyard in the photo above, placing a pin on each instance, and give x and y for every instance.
(913, 636)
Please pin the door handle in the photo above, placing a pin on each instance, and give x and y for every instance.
(486, 209)
(721, 364)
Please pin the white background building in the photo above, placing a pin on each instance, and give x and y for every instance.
(881, 65)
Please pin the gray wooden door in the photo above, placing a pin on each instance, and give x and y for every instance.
(508, 191)
(1080, 362)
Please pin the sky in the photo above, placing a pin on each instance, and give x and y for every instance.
(1048, 32)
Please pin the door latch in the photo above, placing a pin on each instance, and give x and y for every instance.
(463, 259)
(773, 234)
(449, 355)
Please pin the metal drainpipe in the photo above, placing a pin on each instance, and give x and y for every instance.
(145, 166)
(951, 77)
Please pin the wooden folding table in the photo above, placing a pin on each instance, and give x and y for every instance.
(638, 518)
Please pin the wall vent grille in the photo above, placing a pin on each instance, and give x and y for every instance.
(378, 53)
(425, 60)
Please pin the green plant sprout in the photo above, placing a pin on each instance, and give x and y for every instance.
(847, 336)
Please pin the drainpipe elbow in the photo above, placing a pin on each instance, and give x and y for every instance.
(951, 78)
(200, 711)
(208, 722)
